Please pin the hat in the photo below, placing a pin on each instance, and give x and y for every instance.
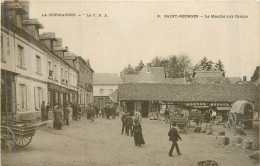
(174, 123)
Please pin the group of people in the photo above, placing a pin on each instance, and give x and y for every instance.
(61, 114)
(45, 111)
(134, 129)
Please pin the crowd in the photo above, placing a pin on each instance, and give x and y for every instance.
(62, 114)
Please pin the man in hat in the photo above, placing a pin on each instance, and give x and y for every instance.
(123, 122)
(129, 125)
(66, 113)
(174, 137)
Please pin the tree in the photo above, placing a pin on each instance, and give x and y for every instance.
(129, 70)
(139, 67)
(173, 67)
(156, 62)
(219, 66)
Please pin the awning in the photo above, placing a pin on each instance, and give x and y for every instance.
(239, 106)
(223, 108)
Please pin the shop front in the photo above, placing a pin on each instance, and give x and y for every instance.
(58, 95)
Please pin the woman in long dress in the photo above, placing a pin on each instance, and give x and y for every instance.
(138, 136)
(57, 118)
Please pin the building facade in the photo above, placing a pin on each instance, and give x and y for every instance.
(28, 62)
(104, 85)
(85, 79)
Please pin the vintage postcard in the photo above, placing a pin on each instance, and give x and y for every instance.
(130, 83)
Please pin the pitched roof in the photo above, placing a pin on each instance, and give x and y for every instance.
(147, 75)
(208, 74)
(114, 96)
(106, 79)
(234, 80)
(187, 92)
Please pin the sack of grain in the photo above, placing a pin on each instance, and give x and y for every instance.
(247, 144)
(223, 140)
(255, 155)
(221, 133)
(236, 140)
(197, 129)
(203, 129)
(209, 131)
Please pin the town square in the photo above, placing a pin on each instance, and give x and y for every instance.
(129, 83)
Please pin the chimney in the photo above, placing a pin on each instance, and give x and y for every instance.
(12, 13)
(26, 6)
(67, 48)
(244, 78)
(47, 39)
(58, 42)
(32, 26)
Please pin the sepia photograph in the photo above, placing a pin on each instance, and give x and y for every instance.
(130, 83)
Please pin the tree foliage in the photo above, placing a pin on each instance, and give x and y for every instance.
(208, 65)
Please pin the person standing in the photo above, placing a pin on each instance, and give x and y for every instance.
(174, 137)
(57, 122)
(79, 112)
(66, 114)
(207, 116)
(92, 114)
(48, 108)
(43, 111)
(129, 125)
(213, 116)
(123, 122)
(138, 135)
(166, 114)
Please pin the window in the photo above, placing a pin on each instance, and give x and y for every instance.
(38, 64)
(55, 71)
(2, 49)
(38, 96)
(21, 62)
(61, 75)
(50, 69)
(110, 91)
(101, 91)
(23, 96)
(66, 76)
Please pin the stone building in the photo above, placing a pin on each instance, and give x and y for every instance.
(104, 85)
(31, 65)
(85, 79)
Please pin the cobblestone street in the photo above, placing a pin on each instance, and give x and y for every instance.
(101, 143)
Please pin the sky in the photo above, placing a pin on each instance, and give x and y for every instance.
(132, 32)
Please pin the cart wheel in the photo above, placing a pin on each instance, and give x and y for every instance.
(232, 120)
(7, 139)
(21, 142)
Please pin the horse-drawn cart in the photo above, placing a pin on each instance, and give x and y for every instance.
(16, 134)
(241, 113)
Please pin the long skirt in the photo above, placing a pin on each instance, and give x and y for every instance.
(138, 138)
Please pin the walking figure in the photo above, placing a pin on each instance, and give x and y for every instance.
(138, 135)
(174, 137)
(129, 125)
